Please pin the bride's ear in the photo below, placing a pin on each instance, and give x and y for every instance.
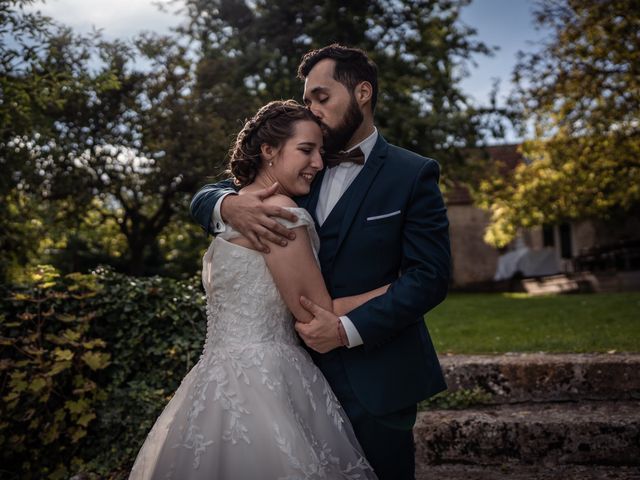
(268, 152)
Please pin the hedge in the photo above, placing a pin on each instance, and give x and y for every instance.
(87, 362)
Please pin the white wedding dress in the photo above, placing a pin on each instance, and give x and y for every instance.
(254, 406)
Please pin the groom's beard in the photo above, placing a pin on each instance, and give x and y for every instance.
(335, 139)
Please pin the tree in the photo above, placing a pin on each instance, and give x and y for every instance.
(581, 94)
(110, 151)
(421, 48)
(138, 148)
(118, 145)
(28, 97)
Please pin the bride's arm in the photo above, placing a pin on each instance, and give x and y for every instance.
(295, 271)
(343, 305)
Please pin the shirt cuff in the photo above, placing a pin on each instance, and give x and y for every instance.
(350, 329)
(216, 217)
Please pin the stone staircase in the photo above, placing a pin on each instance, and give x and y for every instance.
(583, 282)
(534, 416)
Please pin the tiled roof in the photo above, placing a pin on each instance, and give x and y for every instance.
(506, 156)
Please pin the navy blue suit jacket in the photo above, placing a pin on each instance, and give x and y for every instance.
(392, 228)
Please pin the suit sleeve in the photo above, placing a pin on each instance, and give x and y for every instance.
(205, 199)
(425, 267)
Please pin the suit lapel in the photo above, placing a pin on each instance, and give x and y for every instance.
(361, 185)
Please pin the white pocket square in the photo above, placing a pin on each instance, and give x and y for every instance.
(386, 215)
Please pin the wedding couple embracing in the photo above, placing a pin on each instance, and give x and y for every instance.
(330, 246)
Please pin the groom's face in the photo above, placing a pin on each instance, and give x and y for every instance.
(333, 104)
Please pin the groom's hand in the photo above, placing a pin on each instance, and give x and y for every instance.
(249, 215)
(321, 333)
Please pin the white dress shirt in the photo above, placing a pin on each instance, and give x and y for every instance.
(335, 182)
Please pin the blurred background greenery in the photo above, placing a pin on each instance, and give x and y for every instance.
(103, 142)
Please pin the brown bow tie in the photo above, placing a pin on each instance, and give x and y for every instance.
(354, 156)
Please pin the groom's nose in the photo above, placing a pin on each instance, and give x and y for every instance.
(316, 110)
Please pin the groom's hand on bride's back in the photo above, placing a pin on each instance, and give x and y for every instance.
(249, 215)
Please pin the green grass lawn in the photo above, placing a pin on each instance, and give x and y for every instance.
(498, 323)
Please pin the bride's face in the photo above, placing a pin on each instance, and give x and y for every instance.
(299, 159)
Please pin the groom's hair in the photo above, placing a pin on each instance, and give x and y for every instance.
(352, 67)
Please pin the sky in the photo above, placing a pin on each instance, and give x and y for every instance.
(506, 24)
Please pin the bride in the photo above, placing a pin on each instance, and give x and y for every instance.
(255, 406)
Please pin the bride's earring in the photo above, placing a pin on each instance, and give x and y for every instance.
(271, 164)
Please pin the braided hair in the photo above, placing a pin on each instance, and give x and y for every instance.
(273, 125)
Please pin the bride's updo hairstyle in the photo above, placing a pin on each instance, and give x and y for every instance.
(273, 125)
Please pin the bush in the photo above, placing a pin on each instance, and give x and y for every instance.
(87, 362)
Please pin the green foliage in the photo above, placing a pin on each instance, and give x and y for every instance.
(155, 331)
(114, 150)
(27, 93)
(457, 399)
(50, 363)
(111, 151)
(20, 238)
(87, 362)
(581, 94)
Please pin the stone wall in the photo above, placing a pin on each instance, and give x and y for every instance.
(473, 260)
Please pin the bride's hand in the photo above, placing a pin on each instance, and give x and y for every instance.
(324, 332)
(248, 214)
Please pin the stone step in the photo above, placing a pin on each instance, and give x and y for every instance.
(538, 377)
(555, 284)
(526, 472)
(598, 433)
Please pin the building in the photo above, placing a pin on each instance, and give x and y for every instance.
(589, 246)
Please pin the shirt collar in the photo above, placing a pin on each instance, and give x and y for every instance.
(367, 144)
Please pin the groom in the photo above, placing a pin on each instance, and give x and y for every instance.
(381, 220)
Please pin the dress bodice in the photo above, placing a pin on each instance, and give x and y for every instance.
(243, 303)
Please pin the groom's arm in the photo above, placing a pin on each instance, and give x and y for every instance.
(247, 213)
(205, 200)
(425, 269)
